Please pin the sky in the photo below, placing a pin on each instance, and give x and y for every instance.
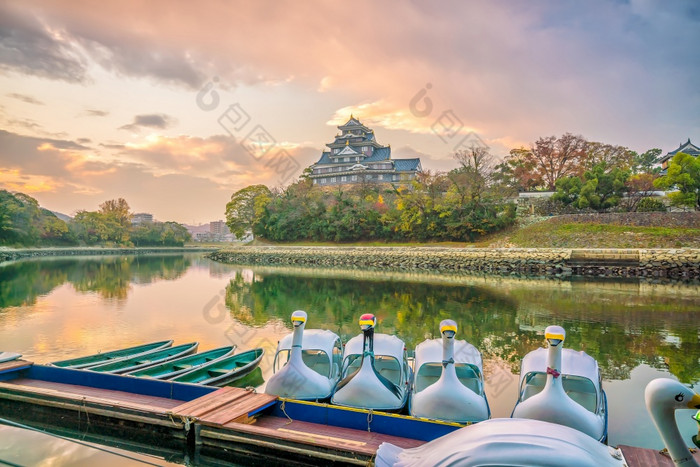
(175, 105)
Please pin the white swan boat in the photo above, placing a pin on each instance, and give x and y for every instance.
(375, 373)
(563, 386)
(518, 442)
(448, 383)
(307, 363)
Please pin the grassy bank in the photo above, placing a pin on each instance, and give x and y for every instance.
(565, 232)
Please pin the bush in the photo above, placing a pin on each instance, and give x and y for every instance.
(651, 205)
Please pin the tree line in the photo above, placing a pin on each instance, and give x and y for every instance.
(460, 205)
(470, 201)
(24, 223)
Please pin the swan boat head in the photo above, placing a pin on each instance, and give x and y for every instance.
(366, 387)
(552, 403)
(296, 380)
(448, 399)
(526, 442)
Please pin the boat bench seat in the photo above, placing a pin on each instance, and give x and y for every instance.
(181, 367)
(213, 373)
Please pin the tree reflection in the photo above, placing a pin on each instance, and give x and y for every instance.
(111, 277)
(620, 327)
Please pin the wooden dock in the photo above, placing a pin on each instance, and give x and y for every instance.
(217, 425)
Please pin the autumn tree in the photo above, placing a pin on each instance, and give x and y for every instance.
(639, 186)
(245, 207)
(552, 158)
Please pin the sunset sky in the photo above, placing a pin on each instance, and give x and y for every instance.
(155, 101)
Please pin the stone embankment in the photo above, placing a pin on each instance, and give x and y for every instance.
(683, 264)
(11, 254)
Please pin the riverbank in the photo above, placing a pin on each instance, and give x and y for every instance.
(12, 254)
(680, 264)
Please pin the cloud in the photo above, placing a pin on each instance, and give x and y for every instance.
(25, 98)
(27, 46)
(158, 121)
(95, 113)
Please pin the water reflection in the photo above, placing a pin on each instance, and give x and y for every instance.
(111, 277)
(619, 324)
(52, 309)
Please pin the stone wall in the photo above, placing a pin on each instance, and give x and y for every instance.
(11, 254)
(683, 264)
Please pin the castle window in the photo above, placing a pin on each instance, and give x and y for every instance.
(380, 177)
(332, 179)
(346, 159)
(354, 178)
(343, 178)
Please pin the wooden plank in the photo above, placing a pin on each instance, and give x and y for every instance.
(240, 410)
(638, 457)
(206, 404)
(14, 364)
(201, 401)
(305, 433)
(97, 395)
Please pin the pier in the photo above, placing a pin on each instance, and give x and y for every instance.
(225, 424)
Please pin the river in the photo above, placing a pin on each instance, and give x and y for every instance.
(57, 308)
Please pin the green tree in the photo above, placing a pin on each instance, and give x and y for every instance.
(683, 174)
(117, 219)
(245, 208)
(644, 162)
(603, 188)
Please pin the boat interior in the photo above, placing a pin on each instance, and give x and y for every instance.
(467, 374)
(316, 360)
(387, 366)
(580, 389)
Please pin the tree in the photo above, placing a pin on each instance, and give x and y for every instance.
(645, 162)
(117, 220)
(683, 174)
(245, 208)
(639, 186)
(552, 158)
(613, 156)
(517, 173)
(603, 188)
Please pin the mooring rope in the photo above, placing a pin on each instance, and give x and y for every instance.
(65, 438)
(370, 415)
(285, 413)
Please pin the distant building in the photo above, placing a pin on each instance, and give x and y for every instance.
(141, 218)
(219, 228)
(355, 156)
(687, 147)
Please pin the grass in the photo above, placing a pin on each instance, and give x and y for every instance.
(558, 233)
(551, 232)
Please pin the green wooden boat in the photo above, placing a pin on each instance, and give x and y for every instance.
(223, 371)
(182, 365)
(111, 356)
(144, 360)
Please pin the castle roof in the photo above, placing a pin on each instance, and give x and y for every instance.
(687, 147)
(403, 165)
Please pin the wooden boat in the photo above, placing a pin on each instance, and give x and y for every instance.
(307, 363)
(9, 356)
(375, 372)
(104, 357)
(563, 386)
(148, 359)
(173, 368)
(448, 383)
(223, 371)
(505, 441)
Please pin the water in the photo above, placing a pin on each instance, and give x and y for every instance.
(58, 308)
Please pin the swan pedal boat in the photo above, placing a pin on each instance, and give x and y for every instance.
(448, 382)
(375, 373)
(563, 386)
(526, 442)
(307, 363)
